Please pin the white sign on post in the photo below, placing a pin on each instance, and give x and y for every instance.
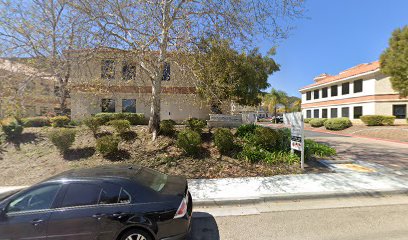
(295, 120)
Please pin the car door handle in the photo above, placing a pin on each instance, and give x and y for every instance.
(118, 215)
(37, 222)
(98, 216)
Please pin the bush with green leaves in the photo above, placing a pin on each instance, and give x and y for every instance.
(245, 130)
(313, 148)
(36, 121)
(107, 145)
(60, 121)
(196, 124)
(317, 122)
(278, 157)
(189, 141)
(93, 123)
(120, 126)
(284, 138)
(265, 138)
(307, 120)
(337, 124)
(133, 118)
(62, 138)
(224, 140)
(377, 120)
(252, 153)
(12, 128)
(167, 127)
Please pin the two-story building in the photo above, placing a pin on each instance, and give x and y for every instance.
(112, 80)
(357, 91)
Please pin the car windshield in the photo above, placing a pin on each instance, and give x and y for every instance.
(150, 178)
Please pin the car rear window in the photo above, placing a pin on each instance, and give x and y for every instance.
(150, 178)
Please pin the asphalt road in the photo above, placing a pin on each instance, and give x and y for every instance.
(312, 134)
(382, 222)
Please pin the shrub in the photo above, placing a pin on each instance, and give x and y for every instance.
(245, 130)
(74, 123)
(12, 128)
(120, 126)
(281, 157)
(265, 138)
(307, 120)
(337, 123)
(36, 122)
(189, 141)
(317, 122)
(107, 145)
(196, 124)
(62, 138)
(313, 148)
(133, 118)
(94, 124)
(252, 153)
(377, 120)
(60, 121)
(284, 137)
(167, 127)
(224, 140)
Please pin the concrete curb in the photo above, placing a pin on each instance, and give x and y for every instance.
(297, 196)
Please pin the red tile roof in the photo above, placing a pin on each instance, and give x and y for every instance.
(356, 70)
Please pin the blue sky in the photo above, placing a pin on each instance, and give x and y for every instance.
(336, 35)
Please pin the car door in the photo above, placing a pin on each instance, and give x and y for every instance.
(26, 215)
(114, 206)
(77, 215)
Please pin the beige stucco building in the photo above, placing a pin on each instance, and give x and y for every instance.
(110, 81)
(360, 90)
(26, 90)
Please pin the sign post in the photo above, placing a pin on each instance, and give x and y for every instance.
(295, 120)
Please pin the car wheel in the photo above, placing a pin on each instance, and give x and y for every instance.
(136, 234)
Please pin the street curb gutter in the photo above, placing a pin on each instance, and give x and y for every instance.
(296, 196)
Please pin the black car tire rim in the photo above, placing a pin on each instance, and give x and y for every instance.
(136, 236)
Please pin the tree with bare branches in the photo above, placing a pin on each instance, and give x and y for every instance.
(162, 29)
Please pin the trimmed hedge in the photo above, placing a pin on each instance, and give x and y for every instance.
(62, 138)
(36, 122)
(107, 145)
(167, 127)
(60, 121)
(94, 124)
(307, 120)
(12, 128)
(337, 123)
(224, 140)
(196, 124)
(377, 120)
(120, 126)
(189, 141)
(133, 118)
(317, 122)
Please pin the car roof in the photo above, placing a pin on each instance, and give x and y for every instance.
(100, 172)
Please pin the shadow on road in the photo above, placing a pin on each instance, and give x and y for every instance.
(204, 227)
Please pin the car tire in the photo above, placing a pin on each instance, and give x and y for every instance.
(136, 234)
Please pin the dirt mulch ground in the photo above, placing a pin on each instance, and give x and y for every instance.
(34, 158)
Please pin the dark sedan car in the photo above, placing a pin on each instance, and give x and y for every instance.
(121, 202)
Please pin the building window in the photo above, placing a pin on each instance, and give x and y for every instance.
(309, 95)
(324, 92)
(129, 105)
(108, 69)
(345, 112)
(333, 112)
(308, 113)
(345, 88)
(166, 72)
(316, 113)
(358, 112)
(316, 94)
(334, 92)
(128, 71)
(324, 113)
(399, 111)
(108, 105)
(358, 86)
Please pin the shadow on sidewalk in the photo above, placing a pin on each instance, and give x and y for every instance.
(203, 227)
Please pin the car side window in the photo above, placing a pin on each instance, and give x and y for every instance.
(109, 194)
(37, 199)
(81, 194)
(124, 196)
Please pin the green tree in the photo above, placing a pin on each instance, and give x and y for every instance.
(273, 99)
(394, 60)
(225, 75)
